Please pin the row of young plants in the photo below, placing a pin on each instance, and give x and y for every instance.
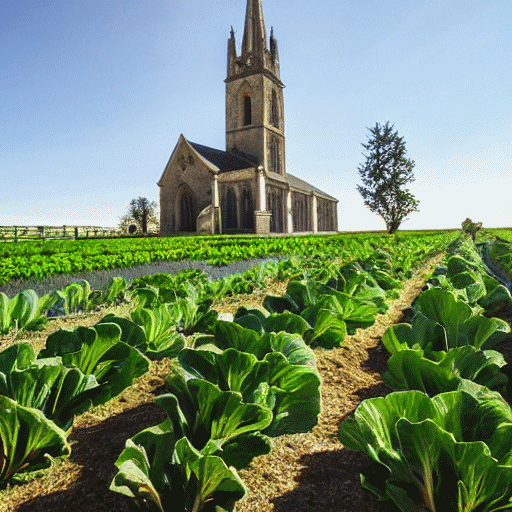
(441, 440)
(79, 369)
(499, 254)
(244, 382)
(42, 393)
(43, 259)
(28, 311)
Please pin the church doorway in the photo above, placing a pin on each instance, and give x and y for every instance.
(187, 212)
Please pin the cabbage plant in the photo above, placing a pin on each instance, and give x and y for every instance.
(442, 322)
(28, 439)
(329, 312)
(216, 422)
(290, 391)
(409, 369)
(153, 337)
(74, 297)
(450, 452)
(46, 384)
(173, 476)
(98, 351)
(24, 311)
(329, 330)
(189, 462)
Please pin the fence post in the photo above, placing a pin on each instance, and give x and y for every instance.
(76, 233)
(64, 231)
(15, 234)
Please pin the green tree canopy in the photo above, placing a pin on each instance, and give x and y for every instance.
(384, 174)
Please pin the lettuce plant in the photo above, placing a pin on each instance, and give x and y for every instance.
(173, 476)
(442, 322)
(153, 337)
(328, 331)
(290, 391)
(409, 369)
(449, 452)
(28, 439)
(24, 311)
(46, 384)
(98, 351)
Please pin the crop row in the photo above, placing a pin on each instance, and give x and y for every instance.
(499, 252)
(441, 441)
(236, 384)
(244, 382)
(43, 259)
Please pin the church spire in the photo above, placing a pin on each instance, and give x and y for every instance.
(256, 56)
(254, 42)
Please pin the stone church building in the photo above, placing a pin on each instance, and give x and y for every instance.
(246, 188)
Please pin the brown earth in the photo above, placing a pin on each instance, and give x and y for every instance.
(302, 473)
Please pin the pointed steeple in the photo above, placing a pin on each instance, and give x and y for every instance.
(256, 56)
(254, 42)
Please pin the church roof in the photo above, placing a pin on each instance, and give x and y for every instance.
(303, 186)
(225, 161)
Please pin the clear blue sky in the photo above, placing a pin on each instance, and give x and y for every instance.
(94, 95)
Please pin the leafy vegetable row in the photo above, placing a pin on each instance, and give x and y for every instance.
(274, 372)
(73, 256)
(243, 382)
(444, 444)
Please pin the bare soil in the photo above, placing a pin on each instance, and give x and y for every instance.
(302, 473)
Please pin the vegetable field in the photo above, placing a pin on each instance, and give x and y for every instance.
(259, 390)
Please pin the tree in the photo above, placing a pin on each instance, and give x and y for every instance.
(142, 211)
(470, 228)
(384, 175)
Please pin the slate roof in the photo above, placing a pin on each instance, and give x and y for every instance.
(226, 161)
(306, 187)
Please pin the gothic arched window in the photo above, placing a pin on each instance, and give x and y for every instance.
(247, 210)
(274, 155)
(274, 110)
(231, 209)
(247, 110)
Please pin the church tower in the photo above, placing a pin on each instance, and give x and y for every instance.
(254, 95)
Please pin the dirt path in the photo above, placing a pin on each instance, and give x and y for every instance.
(305, 472)
(313, 472)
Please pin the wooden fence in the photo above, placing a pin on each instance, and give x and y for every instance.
(20, 233)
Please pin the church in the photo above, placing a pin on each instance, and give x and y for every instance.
(245, 189)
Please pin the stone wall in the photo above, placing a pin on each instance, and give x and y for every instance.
(185, 174)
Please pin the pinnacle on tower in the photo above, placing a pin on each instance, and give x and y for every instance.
(255, 56)
(254, 42)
